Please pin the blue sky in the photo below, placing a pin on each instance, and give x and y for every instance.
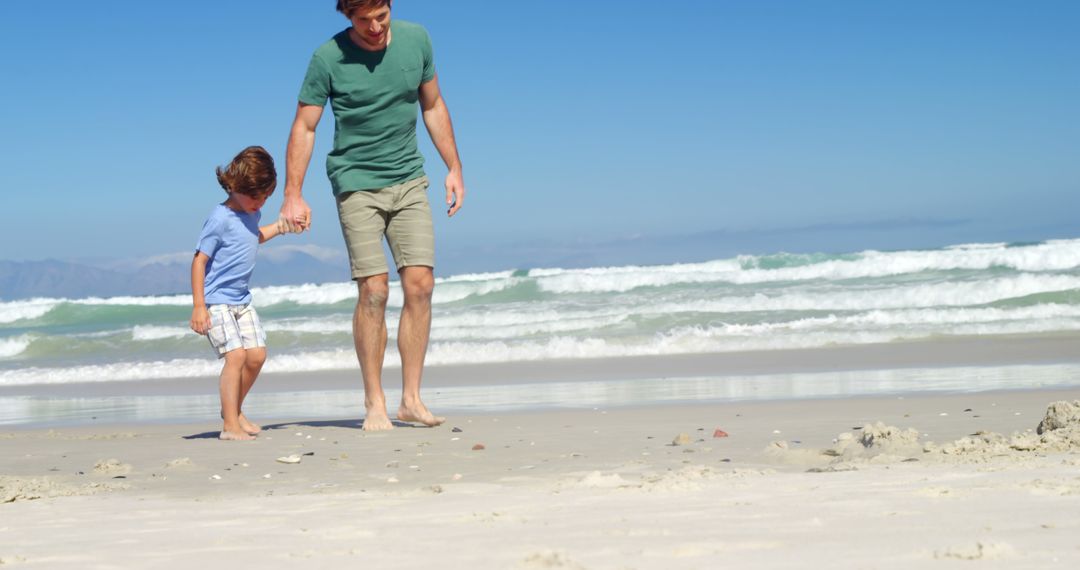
(687, 130)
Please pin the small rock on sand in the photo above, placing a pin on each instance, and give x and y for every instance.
(290, 459)
(978, 551)
(681, 439)
(478, 447)
(719, 433)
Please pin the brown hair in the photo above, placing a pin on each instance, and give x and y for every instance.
(347, 7)
(251, 173)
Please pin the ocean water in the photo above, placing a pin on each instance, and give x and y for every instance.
(742, 303)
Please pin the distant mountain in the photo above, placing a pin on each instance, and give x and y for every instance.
(161, 275)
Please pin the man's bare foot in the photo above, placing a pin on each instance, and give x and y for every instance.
(418, 413)
(235, 436)
(248, 426)
(376, 420)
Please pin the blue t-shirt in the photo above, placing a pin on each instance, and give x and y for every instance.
(230, 239)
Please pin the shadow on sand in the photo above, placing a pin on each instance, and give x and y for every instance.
(348, 424)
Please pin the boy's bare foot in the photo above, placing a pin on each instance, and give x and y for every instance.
(248, 426)
(376, 420)
(419, 413)
(235, 436)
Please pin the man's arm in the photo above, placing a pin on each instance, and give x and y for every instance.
(294, 210)
(437, 120)
(200, 317)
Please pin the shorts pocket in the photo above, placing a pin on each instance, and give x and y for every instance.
(216, 334)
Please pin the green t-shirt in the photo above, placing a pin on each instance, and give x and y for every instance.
(374, 96)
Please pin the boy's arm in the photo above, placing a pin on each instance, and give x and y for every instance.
(200, 317)
(271, 231)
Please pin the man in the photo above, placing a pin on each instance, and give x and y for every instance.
(375, 73)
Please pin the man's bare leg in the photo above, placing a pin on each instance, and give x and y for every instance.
(369, 336)
(417, 283)
(229, 389)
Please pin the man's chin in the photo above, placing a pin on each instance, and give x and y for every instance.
(374, 45)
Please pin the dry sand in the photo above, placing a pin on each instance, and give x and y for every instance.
(815, 483)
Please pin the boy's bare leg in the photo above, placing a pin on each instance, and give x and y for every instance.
(229, 388)
(369, 336)
(417, 283)
(253, 364)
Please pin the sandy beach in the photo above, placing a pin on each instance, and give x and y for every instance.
(769, 484)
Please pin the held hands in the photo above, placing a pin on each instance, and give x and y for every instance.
(284, 226)
(200, 320)
(295, 215)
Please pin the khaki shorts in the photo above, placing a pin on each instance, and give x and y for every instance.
(401, 213)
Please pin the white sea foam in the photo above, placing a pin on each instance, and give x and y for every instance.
(807, 301)
(14, 346)
(1038, 259)
(136, 301)
(1050, 256)
(11, 311)
(447, 290)
(684, 340)
(307, 294)
(944, 294)
(150, 332)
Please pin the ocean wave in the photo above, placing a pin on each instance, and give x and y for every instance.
(923, 304)
(12, 311)
(1043, 259)
(10, 347)
(944, 294)
(1060, 255)
(805, 334)
(150, 333)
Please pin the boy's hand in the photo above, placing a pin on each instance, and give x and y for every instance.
(284, 226)
(200, 320)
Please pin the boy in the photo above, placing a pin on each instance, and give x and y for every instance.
(220, 277)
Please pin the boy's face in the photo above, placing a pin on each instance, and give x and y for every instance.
(371, 27)
(245, 203)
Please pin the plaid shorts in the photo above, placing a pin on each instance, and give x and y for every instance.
(233, 327)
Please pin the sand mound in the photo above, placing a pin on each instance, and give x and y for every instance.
(28, 489)
(1058, 432)
(877, 440)
(550, 559)
(111, 467)
(1061, 416)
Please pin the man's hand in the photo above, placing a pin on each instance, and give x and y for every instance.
(200, 320)
(296, 214)
(455, 191)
